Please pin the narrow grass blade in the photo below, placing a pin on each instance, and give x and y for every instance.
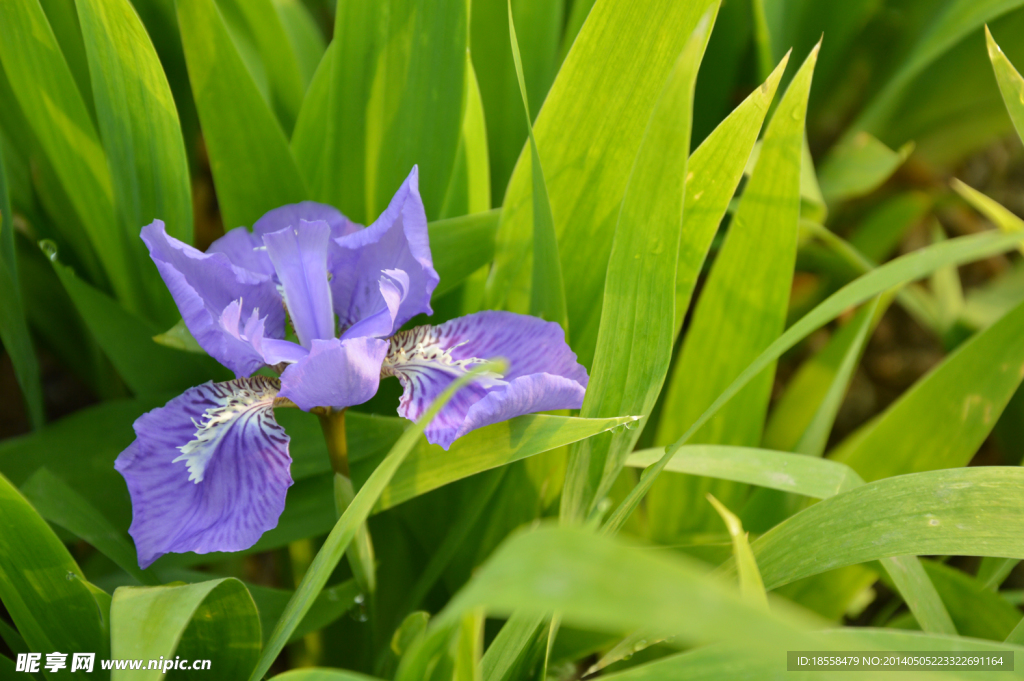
(215, 620)
(943, 419)
(976, 611)
(469, 647)
(604, 93)
(803, 417)
(637, 331)
(539, 30)
(547, 292)
(345, 529)
(919, 594)
(961, 511)
(784, 471)
(141, 136)
(751, 586)
(993, 571)
(253, 169)
(305, 36)
(1011, 85)
(1001, 217)
(882, 230)
(323, 675)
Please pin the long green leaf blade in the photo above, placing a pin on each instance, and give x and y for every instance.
(604, 93)
(547, 292)
(895, 273)
(638, 319)
(141, 135)
(253, 169)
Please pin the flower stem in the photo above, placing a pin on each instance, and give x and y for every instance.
(332, 422)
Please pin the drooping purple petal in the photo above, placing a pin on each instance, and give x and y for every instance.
(203, 285)
(543, 374)
(398, 240)
(299, 255)
(380, 321)
(289, 216)
(209, 471)
(336, 373)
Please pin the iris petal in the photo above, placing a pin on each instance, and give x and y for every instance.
(209, 471)
(203, 285)
(397, 240)
(299, 255)
(543, 374)
(335, 373)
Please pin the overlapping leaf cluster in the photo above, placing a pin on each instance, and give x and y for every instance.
(698, 192)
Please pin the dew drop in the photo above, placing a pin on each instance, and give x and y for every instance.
(49, 249)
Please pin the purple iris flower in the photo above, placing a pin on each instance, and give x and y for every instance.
(209, 471)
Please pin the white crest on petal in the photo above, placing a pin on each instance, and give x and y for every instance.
(419, 349)
(231, 400)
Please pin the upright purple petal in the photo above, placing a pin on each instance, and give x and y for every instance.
(209, 471)
(299, 255)
(398, 240)
(203, 285)
(543, 374)
(244, 249)
(336, 373)
(291, 214)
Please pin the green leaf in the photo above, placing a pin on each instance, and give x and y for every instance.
(963, 511)
(920, 594)
(14, 333)
(60, 504)
(802, 419)
(513, 648)
(538, 27)
(713, 173)
(179, 338)
(461, 246)
(41, 586)
(54, 109)
(469, 190)
(751, 586)
(214, 620)
(580, 576)
(881, 231)
(796, 473)
(345, 529)
(253, 169)
(141, 135)
(429, 467)
(378, 110)
(895, 273)
(751, 279)
(146, 366)
(604, 93)
(943, 419)
(265, 29)
(951, 24)
(993, 210)
(1011, 85)
(976, 611)
(547, 292)
(469, 647)
(304, 34)
(858, 166)
(638, 318)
